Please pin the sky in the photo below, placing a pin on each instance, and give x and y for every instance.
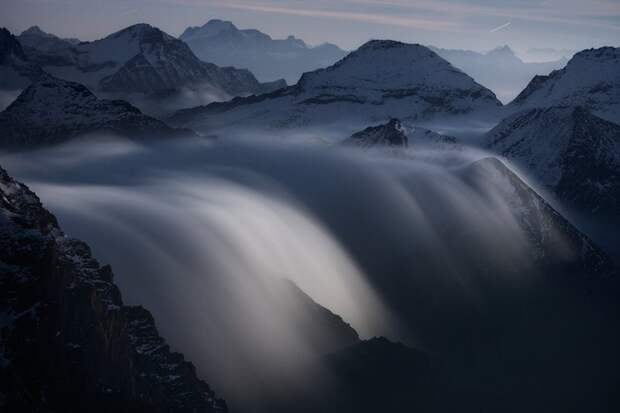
(463, 24)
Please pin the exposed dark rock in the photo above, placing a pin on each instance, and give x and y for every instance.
(67, 341)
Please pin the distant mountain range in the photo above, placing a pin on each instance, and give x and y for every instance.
(381, 80)
(499, 69)
(222, 43)
(135, 63)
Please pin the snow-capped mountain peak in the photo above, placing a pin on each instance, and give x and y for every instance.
(383, 64)
(381, 80)
(591, 79)
(53, 110)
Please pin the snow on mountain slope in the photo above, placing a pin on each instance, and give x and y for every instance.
(552, 238)
(142, 58)
(52, 110)
(568, 150)
(222, 43)
(590, 79)
(16, 70)
(499, 69)
(383, 79)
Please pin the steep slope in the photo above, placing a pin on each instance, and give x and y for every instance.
(499, 69)
(381, 80)
(569, 150)
(553, 240)
(142, 59)
(590, 79)
(222, 43)
(394, 133)
(16, 70)
(52, 110)
(68, 343)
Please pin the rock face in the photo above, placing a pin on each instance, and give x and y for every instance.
(381, 80)
(570, 151)
(268, 59)
(67, 341)
(16, 70)
(144, 59)
(395, 134)
(499, 69)
(53, 110)
(388, 134)
(590, 79)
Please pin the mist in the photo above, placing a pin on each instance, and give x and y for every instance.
(403, 244)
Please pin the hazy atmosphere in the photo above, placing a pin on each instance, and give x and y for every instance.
(347, 206)
(477, 24)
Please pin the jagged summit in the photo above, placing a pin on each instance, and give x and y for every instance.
(389, 134)
(53, 110)
(9, 46)
(35, 30)
(591, 79)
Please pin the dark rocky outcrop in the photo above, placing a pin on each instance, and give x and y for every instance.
(67, 342)
(388, 134)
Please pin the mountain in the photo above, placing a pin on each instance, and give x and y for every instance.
(590, 79)
(499, 69)
(375, 375)
(394, 133)
(16, 69)
(222, 43)
(36, 38)
(387, 134)
(143, 59)
(570, 151)
(52, 110)
(68, 342)
(547, 54)
(546, 228)
(381, 80)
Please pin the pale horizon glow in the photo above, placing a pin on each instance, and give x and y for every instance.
(476, 25)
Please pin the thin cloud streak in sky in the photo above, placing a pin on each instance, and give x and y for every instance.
(498, 28)
(425, 24)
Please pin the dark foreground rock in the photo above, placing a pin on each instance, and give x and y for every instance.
(67, 342)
